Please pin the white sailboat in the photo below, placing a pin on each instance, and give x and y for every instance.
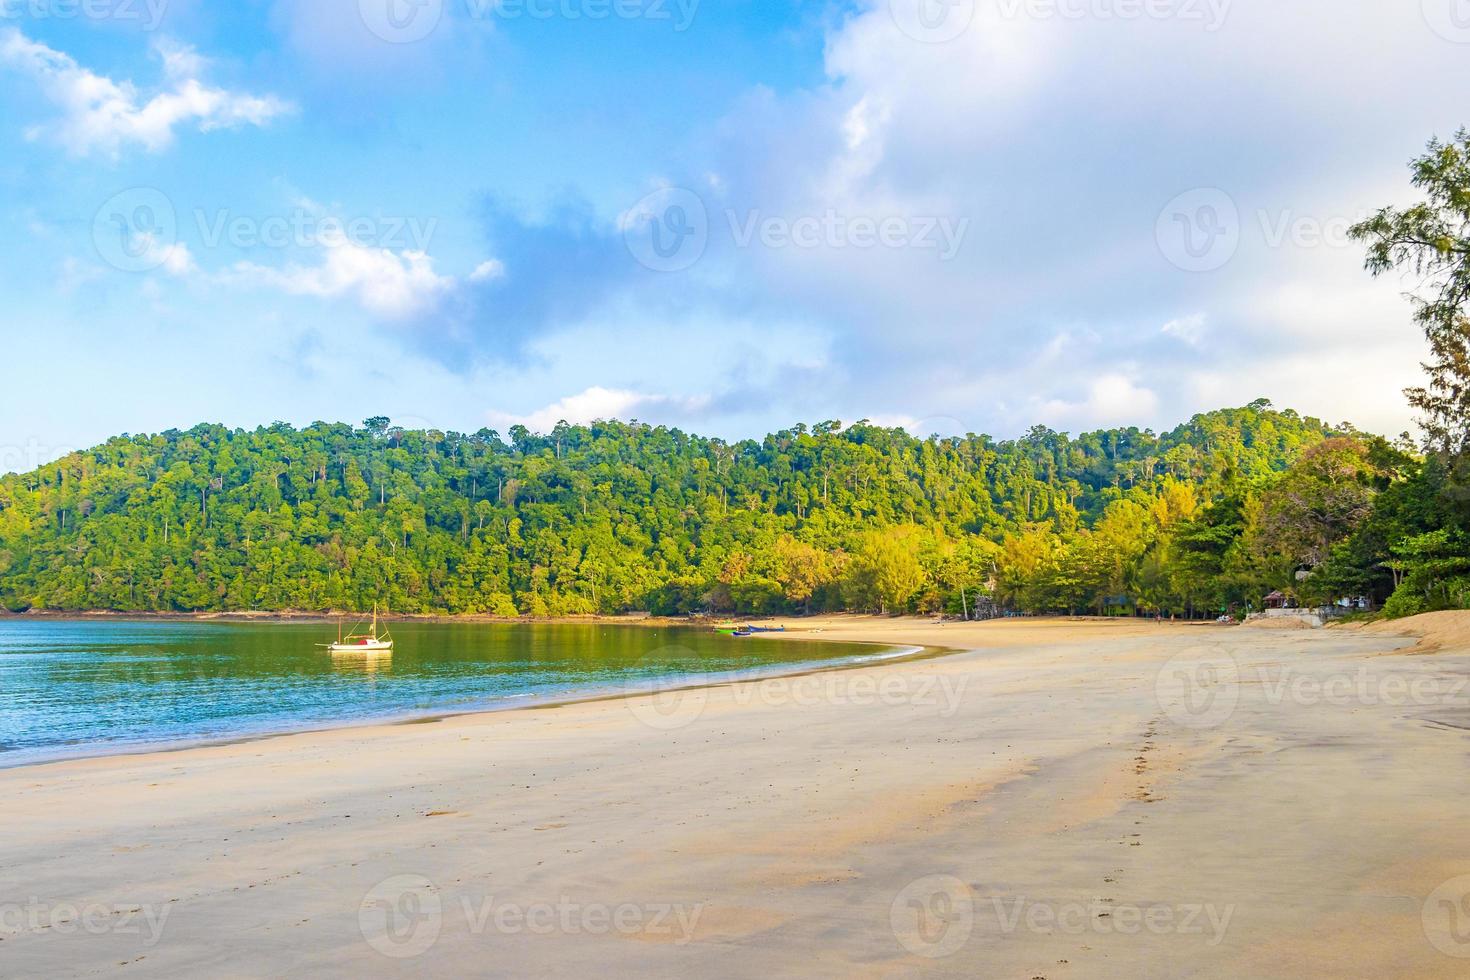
(369, 642)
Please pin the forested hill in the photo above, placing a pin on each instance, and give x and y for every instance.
(612, 516)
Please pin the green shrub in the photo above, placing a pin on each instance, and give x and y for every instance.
(1404, 602)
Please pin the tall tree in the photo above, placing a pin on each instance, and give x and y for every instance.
(1432, 239)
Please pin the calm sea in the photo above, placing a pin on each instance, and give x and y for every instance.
(88, 688)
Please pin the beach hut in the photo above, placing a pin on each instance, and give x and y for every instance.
(1278, 600)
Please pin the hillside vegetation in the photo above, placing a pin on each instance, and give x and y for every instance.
(614, 516)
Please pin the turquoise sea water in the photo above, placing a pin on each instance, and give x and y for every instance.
(93, 687)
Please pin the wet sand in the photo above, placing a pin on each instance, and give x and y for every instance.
(1063, 799)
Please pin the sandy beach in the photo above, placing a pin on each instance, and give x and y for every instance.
(1056, 799)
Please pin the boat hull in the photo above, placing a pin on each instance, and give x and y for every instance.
(372, 646)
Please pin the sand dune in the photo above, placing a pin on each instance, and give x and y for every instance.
(1436, 631)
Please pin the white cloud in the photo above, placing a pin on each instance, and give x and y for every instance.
(1330, 312)
(390, 285)
(1189, 329)
(943, 426)
(1053, 303)
(1370, 398)
(174, 259)
(599, 403)
(1060, 150)
(488, 270)
(896, 420)
(344, 50)
(1112, 399)
(75, 274)
(100, 115)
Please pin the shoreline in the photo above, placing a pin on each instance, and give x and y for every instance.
(594, 619)
(366, 725)
(299, 616)
(863, 623)
(819, 629)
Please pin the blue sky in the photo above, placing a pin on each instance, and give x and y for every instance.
(956, 215)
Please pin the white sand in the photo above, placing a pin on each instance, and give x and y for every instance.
(1070, 799)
